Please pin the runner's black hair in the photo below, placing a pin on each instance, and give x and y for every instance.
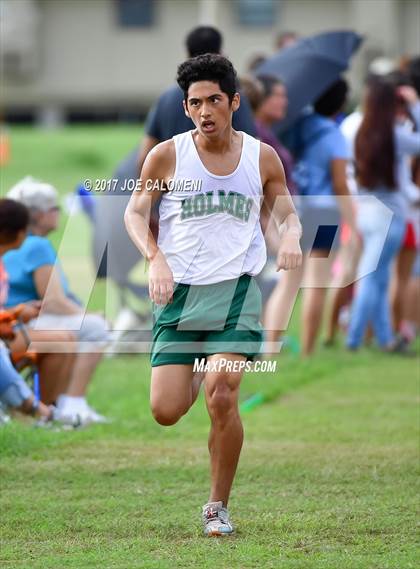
(208, 67)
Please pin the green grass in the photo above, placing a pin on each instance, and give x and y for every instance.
(64, 158)
(328, 477)
(67, 156)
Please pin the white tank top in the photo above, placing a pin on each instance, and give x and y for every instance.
(209, 225)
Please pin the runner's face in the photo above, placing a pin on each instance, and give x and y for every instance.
(209, 108)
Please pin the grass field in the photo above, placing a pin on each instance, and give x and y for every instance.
(328, 477)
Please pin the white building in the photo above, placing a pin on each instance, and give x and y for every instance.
(61, 56)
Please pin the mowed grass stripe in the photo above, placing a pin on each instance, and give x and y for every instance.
(328, 478)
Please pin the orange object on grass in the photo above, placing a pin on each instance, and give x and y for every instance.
(4, 147)
(9, 319)
(21, 360)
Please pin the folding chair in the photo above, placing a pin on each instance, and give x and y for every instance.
(26, 363)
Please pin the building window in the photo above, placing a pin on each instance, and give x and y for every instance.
(256, 12)
(135, 13)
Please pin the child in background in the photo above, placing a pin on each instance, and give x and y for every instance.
(14, 392)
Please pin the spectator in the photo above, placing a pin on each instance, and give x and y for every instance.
(410, 187)
(381, 151)
(268, 99)
(253, 63)
(253, 90)
(271, 109)
(348, 254)
(286, 39)
(411, 323)
(320, 175)
(36, 274)
(350, 249)
(14, 392)
(410, 312)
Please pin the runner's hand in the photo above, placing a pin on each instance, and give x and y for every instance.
(289, 256)
(161, 280)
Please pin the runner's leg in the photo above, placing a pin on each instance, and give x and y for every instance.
(174, 388)
(226, 433)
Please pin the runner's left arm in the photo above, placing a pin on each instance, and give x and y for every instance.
(280, 206)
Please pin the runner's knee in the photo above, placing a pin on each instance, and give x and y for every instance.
(221, 397)
(166, 413)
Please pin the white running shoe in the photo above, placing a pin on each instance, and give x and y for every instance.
(4, 417)
(216, 520)
(88, 415)
(94, 417)
(67, 418)
(79, 414)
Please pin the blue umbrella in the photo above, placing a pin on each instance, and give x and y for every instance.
(309, 67)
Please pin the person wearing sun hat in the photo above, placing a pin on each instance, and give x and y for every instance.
(14, 392)
(35, 273)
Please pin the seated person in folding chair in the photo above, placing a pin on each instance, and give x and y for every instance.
(35, 274)
(55, 363)
(14, 392)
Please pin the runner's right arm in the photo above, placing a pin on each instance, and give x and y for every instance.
(158, 168)
(149, 142)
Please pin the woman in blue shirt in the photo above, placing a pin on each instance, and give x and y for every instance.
(324, 199)
(14, 392)
(35, 274)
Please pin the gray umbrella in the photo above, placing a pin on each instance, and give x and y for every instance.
(309, 67)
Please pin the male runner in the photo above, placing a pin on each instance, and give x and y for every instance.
(165, 119)
(201, 272)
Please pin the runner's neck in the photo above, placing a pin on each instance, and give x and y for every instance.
(222, 144)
